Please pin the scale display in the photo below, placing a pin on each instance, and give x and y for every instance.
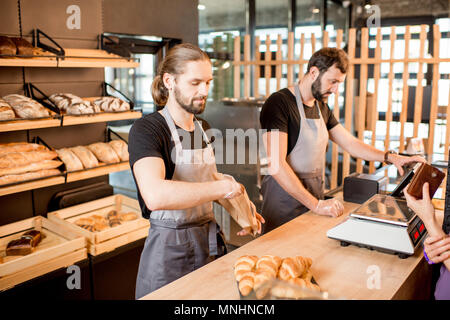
(386, 209)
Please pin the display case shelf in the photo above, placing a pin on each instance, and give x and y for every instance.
(97, 171)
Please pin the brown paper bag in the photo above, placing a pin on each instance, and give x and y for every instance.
(240, 208)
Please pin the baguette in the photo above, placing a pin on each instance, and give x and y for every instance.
(20, 147)
(13, 178)
(36, 166)
(18, 159)
(86, 156)
(70, 159)
(104, 152)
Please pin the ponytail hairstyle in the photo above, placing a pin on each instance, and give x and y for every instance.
(174, 63)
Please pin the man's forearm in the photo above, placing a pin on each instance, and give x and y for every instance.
(177, 195)
(289, 181)
(359, 149)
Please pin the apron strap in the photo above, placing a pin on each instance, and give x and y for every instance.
(301, 108)
(212, 238)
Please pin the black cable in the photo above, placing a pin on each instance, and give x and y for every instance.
(20, 17)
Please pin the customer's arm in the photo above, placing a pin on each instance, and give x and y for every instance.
(437, 245)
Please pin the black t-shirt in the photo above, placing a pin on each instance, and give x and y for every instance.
(280, 112)
(150, 137)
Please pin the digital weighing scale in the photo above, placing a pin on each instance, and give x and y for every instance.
(383, 223)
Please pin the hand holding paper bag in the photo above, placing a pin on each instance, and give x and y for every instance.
(241, 209)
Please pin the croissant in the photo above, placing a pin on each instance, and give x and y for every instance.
(290, 268)
(269, 263)
(242, 273)
(246, 285)
(306, 262)
(307, 275)
(251, 260)
(298, 281)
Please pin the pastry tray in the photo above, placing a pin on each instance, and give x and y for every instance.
(58, 242)
(111, 238)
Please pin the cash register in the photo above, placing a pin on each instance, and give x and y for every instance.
(384, 223)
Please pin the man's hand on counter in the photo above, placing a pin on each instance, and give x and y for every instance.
(329, 207)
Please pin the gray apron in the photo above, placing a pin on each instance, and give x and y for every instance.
(307, 159)
(180, 241)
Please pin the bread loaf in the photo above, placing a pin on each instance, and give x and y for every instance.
(72, 104)
(20, 147)
(86, 156)
(112, 104)
(121, 149)
(70, 159)
(17, 159)
(24, 48)
(128, 216)
(25, 107)
(6, 112)
(7, 46)
(13, 178)
(36, 166)
(104, 152)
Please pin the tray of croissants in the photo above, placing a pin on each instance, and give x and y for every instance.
(273, 277)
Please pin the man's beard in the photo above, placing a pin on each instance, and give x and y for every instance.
(189, 106)
(316, 89)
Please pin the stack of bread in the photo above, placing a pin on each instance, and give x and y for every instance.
(255, 274)
(97, 222)
(23, 161)
(17, 46)
(93, 155)
(71, 104)
(16, 105)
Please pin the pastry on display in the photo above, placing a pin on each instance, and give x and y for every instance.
(7, 46)
(26, 244)
(97, 222)
(23, 47)
(104, 152)
(21, 161)
(254, 275)
(121, 149)
(25, 107)
(70, 159)
(71, 104)
(6, 112)
(112, 104)
(86, 156)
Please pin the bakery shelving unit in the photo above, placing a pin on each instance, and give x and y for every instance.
(57, 57)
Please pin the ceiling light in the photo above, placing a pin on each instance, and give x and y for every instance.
(315, 10)
(201, 7)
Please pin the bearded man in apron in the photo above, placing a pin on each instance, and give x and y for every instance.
(299, 123)
(174, 178)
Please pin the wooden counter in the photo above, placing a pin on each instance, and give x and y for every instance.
(342, 271)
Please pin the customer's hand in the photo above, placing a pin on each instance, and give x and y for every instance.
(422, 207)
(232, 188)
(437, 248)
(329, 207)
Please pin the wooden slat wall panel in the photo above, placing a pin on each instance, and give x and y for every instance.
(362, 92)
(404, 111)
(267, 69)
(349, 99)
(434, 92)
(419, 88)
(237, 67)
(334, 146)
(292, 62)
(279, 57)
(290, 67)
(256, 70)
(247, 66)
(374, 118)
(387, 141)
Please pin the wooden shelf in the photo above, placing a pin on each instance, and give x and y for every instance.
(16, 125)
(69, 120)
(74, 58)
(25, 186)
(69, 177)
(25, 124)
(98, 171)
